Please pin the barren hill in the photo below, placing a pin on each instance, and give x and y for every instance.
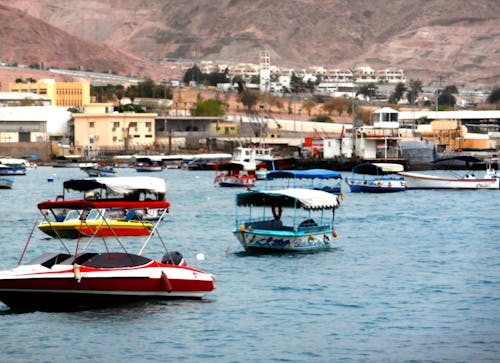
(458, 41)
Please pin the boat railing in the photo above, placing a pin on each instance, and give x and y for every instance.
(306, 226)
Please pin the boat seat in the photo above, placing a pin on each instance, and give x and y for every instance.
(115, 260)
(79, 259)
(308, 223)
(173, 258)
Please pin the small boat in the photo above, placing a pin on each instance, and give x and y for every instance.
(107, 275)
(377, 178)
(468, 181)
(96, 218)
(152, 163)
(286, 220)
(491, 179)
(6, 183)
(239, 172)
(10, 166)
(95, 170)
(126, 188)
(319, 179)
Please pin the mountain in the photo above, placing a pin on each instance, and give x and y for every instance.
(452, 42)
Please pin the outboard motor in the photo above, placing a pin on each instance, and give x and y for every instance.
(173, 258)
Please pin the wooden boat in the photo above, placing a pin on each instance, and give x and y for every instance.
(295, 220)
(319, 179)
(103, 220)
(377, 178)
(239, 172)
(78, 277)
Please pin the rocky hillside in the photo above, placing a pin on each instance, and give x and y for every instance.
(456, 41)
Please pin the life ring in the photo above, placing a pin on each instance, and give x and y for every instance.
(277, 210)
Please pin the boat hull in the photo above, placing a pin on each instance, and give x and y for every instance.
(255, 240)
(74, 229)
(376, 185)
(422, 181)
(235, 181)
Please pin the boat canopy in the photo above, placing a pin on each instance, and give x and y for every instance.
(81, 204)
(304, 174)
(118, 185)
(377, 168)
(293, 197)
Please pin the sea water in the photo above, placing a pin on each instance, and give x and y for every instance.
(414, 277)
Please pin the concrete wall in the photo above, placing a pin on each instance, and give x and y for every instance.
(19, 149)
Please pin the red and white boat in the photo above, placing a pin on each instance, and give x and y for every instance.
(78, 276)
(239, 172)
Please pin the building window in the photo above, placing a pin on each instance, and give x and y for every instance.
(148, 136)
(115, 138)
(148, 124)
(116, 124)
(91, 124)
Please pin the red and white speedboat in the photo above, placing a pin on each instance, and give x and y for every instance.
(82, 276)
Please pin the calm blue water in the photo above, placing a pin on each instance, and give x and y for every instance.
(416, 279)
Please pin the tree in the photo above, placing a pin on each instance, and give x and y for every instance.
(309, 105)
(446, 96)
(193, 74)
(415, 88)
(339, 104)
(249, 99)
(494, 96)
(398, 92)
(368, 90)
(322, 118)
(216, 77)
(208, 108)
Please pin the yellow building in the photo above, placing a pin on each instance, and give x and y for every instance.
(100, 127)
(224, 128)
(65, 94)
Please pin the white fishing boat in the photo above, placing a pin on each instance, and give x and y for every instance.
(6, 183)
(469, 180)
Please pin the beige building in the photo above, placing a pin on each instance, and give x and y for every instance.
(99, 127)
(65, 94)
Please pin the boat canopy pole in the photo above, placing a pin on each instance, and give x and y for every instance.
(27, 242)
(155, 227)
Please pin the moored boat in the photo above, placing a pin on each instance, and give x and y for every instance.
(127, 188)
(6, 183)
(96, 218)
(468, 181)
(377, 178)
(77, 277)
(10, 166)
(239, 172)
(286, 220)
(455, 180)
